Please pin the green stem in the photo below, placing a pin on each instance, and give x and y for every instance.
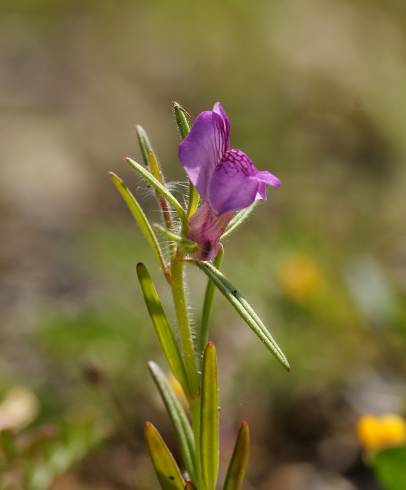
(208, 304)
(185, 334)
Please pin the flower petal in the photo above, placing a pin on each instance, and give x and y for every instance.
(206, 228)
(202, 149)
(232, 186)
(219, 109)
(236, 183)
(267, 178)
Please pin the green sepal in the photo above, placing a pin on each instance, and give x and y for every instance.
(139, 216)
(244, 309)
(159, 188)
(144, 144)
(178, 417)
(209, 419)
(238, 220)
(167, 470)
(239, 460)
(161, 325)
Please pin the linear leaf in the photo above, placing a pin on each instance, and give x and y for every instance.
(181, 120)
(167, 470)
(161, 325)
(158, 187)
(184, 128)
(239, 460)
(208, 303)
(144, 143)
(139, 216)
(244, 309)
(178, 417)
(238, 220)
(209, 421)
(186, 244)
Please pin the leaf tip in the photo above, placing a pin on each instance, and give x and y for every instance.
(152, 366)
(244, 424)
(210, 349)
(115, 177)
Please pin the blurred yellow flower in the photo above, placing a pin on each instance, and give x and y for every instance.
(299, 276)
(18, 408)
(379, 432)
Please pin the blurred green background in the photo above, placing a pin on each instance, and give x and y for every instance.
(315, 92)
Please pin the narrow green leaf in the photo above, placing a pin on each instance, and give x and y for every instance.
(161, 325)
(238, 220)
(184, 129)
(239, 460)
(208, 303)
(139, 216)
(155, 168)
(151, 163)
(158, 187)
(167, 470)
(209, 421)
(186, 244)
(178, 417)
(181, 120)
(244, 309)
(156, 172)
(144, 143)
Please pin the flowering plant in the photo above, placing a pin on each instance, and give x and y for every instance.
(228, 185)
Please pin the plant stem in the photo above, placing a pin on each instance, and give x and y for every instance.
(207, 304)
(185, 333)
(188, 351)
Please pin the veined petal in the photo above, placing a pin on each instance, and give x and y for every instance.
(232, 186)
(206, 228)
(219, 109)
(236, 183)
(203, 149)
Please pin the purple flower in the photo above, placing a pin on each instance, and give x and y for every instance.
(225, 178)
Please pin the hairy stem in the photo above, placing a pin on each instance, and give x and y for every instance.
(185, 333)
